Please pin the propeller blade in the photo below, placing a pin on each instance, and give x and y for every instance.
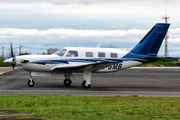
(12, 54)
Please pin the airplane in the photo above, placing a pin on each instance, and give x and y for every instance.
(86, 60)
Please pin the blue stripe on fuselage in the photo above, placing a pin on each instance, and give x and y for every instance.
(43, 62)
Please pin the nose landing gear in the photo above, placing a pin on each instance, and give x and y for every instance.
(31, 83)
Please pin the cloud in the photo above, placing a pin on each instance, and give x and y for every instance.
(115, 8)
(84, 22)
(174, 31)
(61, 37)
(67, 33)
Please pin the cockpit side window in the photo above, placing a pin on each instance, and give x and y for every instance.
(61, 52)
(72, 53)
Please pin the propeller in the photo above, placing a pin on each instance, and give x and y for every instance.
(11, 61)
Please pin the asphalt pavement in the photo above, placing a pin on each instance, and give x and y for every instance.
(135, 81)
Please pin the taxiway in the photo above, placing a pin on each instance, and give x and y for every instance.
(135, 81)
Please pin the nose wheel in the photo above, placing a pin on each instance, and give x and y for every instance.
(31, 83)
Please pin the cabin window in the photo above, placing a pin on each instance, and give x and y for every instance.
(114, 55)
(60, 52)
(89, 54)
(101, 54)
(72, 53)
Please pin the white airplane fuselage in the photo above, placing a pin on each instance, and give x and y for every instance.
(46, 63)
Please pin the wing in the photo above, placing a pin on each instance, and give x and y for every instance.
(94, 66)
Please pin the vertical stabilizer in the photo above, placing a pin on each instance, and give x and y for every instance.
(151, 42)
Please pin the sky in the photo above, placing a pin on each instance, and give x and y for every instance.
(40, 24)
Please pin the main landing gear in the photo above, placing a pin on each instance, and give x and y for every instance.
(86, 75)
(87, 78)
(67, 82)
(85, 85)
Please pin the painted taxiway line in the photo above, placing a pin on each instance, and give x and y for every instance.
(154, 68)
(74, 91)
(90, 93)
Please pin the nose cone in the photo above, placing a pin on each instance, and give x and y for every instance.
(10, 61)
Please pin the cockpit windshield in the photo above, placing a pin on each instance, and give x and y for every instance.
(60, 52)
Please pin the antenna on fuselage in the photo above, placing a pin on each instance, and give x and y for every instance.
(99, 45)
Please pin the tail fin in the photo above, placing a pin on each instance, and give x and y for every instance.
(151, 42)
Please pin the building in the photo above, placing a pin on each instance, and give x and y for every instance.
(51, 50)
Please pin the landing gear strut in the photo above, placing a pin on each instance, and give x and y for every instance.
(30, 82)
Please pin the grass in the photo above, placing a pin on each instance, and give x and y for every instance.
(162, 63)
(55, 107)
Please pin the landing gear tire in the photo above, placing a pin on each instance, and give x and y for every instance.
(67, 82)
(31, 83)
(85, 85)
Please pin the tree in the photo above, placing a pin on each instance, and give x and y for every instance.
(43, 53)
(109, 46)
(3, 64)
(26, 53)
